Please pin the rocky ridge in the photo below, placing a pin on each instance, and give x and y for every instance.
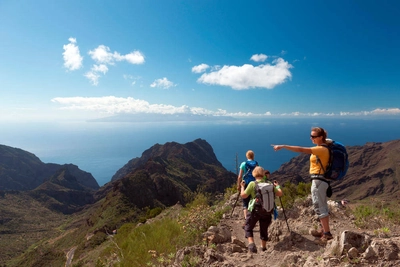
(290, 243)
(22, 170)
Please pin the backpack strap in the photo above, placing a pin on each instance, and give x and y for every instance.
(255, 188)
(319, 161)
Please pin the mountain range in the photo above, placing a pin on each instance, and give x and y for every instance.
(163, 176)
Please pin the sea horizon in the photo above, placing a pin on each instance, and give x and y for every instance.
(102, 148)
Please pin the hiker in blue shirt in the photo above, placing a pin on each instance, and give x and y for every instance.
(260, 215)
(245, 174)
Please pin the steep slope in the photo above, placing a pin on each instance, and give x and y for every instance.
(164, 175)
(19, 169)
(374, 171)
(168, 174)
(22, 170)
(62, 192)
(25, 221)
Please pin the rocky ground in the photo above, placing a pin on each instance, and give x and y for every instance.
(294, 246)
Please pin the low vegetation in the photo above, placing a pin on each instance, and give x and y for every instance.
(156, 243)
(377, 215)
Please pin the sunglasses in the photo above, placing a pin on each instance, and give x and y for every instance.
(314, 136)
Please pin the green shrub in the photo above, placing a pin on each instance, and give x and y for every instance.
(153, 212)
(139, 245)
(97, 239)
(291, 192)
(156, 244)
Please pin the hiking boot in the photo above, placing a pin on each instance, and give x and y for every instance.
(317, 233)
(263, 249)
(324, 239)
(252, 248)
(327, 237)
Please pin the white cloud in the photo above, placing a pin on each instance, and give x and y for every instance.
(93, 77)
(72, 58)
(134, 57)
(119, 105)
(162, 83)
(100, 68)
(389, 111)
(104, 57)
(249, 76)
(102, 54)
(259, 57)
(378, 111)
(131, 78)
(200, 68)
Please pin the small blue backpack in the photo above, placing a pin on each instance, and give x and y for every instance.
(248, 176)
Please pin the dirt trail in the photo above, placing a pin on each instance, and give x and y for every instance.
(297, 245)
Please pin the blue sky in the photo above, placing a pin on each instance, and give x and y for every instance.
(78, 60)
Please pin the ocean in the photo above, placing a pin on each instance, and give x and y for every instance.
(103, 148)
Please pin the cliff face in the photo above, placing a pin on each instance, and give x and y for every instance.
(374, 171)
(165, 173)
(22, 170)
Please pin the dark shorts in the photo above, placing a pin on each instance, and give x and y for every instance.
(251, 220)
(246, 202)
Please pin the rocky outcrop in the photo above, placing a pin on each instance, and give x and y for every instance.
(197, 154)
(166, 173)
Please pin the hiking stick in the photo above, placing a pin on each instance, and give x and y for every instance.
(237, 199)
(234, 205)
(284, 214)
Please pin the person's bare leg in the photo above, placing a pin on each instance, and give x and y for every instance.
(325, 224)
(263, 243)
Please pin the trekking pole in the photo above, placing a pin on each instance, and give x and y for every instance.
(237, 171)
(284, 214)
(234, 205)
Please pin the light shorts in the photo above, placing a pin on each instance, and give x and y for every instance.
(319, 198)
